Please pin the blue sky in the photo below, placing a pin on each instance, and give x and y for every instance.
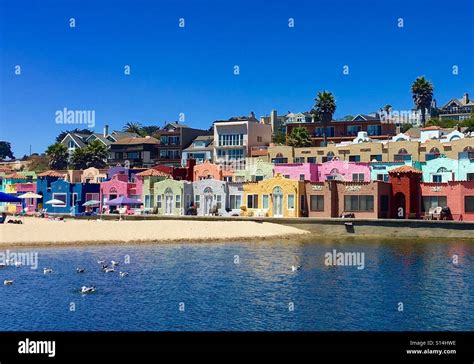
(190, 70)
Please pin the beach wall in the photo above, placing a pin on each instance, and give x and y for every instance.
(344, 228)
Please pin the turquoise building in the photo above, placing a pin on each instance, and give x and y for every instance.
(444, 169)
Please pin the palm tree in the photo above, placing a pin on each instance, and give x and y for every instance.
(299, 137)
(97, 154)
(150, 130)
(422, 91)
(79, 159)
(132, 127)
(387, 109)
(325, 107)
(58, 156)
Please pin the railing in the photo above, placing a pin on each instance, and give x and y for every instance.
(258, 151)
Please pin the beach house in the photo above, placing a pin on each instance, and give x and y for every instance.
(336, 169)
(147, 179)
(208, 170)
(119, 186)
(210, 196)
(172, 198)
(444, 169)
(298, 171)
(256, 169)
(275, 197)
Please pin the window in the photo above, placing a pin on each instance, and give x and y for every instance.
(188, 200)
(382, 177)
(302, 177)
(353, 129)
(178, 201)
(228, 179)
(257, 178)
(302, 203)
(291, 202)
(219, 202)
(197, 201)
(374, 130)
(235, 201)
(316, 203)
(298, 160)
(92, 196)
(158, 201)
(357, 177)
(384, 203)
(62, 197)
(376, 157)
(354, 158)
(470, 176)
(259, 139)
(265, 201)
(437, 178)
(434, 201)
(148, 201)
(358, 203)
(252, 201)
(312, 159)
(286, 176)
(468, 203)
(71, 145)
(402, 155)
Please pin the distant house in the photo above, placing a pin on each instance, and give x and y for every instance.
(74, 141)
(456, 109)
(173, 139)
(200, 150)
(240, 137)
(134, 152)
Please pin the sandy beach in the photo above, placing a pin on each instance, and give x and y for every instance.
(36, 231)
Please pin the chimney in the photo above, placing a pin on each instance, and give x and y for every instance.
(190, 163)
(465, 99)
(398, 129)
(106, 130)
(252, 114)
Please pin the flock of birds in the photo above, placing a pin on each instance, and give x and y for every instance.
(84, 289)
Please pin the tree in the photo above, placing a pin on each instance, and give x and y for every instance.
(6, 150)
(57, 155)
(97, 154)
(132, 127)
(149, 130)
(279, 137)
(61, 135)
(422, 91)
(325, 107)
(299, 137)
(79, 159)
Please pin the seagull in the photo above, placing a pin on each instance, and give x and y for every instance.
(47, 270)
(17, 264)
(123, 274)
(109, 270)
(8, 282)
(100, 261)
(113, 262)
(85, 289)
(294, 268)
(80, 270)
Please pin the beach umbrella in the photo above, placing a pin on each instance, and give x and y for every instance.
(30, 195)
(5, 197)
(55, 202)
(123, 200)
(91, 203)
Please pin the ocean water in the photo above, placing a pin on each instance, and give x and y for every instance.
(244, 286)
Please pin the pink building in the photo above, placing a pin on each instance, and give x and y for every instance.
(29, 204)
(298, 171)
(119, 186)
(336, 169)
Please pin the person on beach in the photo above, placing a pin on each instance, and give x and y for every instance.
(3, 218)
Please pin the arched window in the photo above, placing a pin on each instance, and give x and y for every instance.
(279, 155)
(113, 191)
(442, 170)
(434, 150)
(334, 171)
(208, 191)
(468, 149)
(403, 151)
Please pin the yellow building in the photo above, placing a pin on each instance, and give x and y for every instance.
(274, 197)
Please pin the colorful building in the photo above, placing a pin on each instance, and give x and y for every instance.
(210, 197)
(256, 169)
(298, 171)
(208, 170)
(172, 197)
(379, 170)
(369, 200)
(444, 169)
(148, 179)
(118, 186)
(336, 169)
(275, 197)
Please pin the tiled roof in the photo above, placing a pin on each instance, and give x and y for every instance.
(135, 141)
(50, 173)
(15, 176)
(153, 172)
(405, 169)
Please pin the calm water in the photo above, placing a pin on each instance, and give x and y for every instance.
(253, 295)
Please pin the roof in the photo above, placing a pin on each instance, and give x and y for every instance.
(51, 173)
(239, 118)
(202, 138)
(432, 127)
(77, 138)
(15, 176)
(135, 141)
(404, 169)
(413, 133)
(365, 117)
(152, 172)
(175, 125)
(100, 137)
(118, 135)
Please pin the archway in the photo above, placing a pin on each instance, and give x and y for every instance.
(277, 196)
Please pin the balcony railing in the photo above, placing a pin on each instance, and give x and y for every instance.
(258, 151)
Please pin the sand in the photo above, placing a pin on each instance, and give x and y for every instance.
(35, 231)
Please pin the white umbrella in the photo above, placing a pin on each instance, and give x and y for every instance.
(30, 195)
(55, 202)
(91, 203)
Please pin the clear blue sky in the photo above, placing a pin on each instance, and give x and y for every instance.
(190, 69)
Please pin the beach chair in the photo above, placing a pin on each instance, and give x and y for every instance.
(429, 214)
(437, 213)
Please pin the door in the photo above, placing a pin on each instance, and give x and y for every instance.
(208, 200)
(277, 202)
(168, 202)
(400, 206)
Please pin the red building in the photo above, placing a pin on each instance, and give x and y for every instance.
(179, 173)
